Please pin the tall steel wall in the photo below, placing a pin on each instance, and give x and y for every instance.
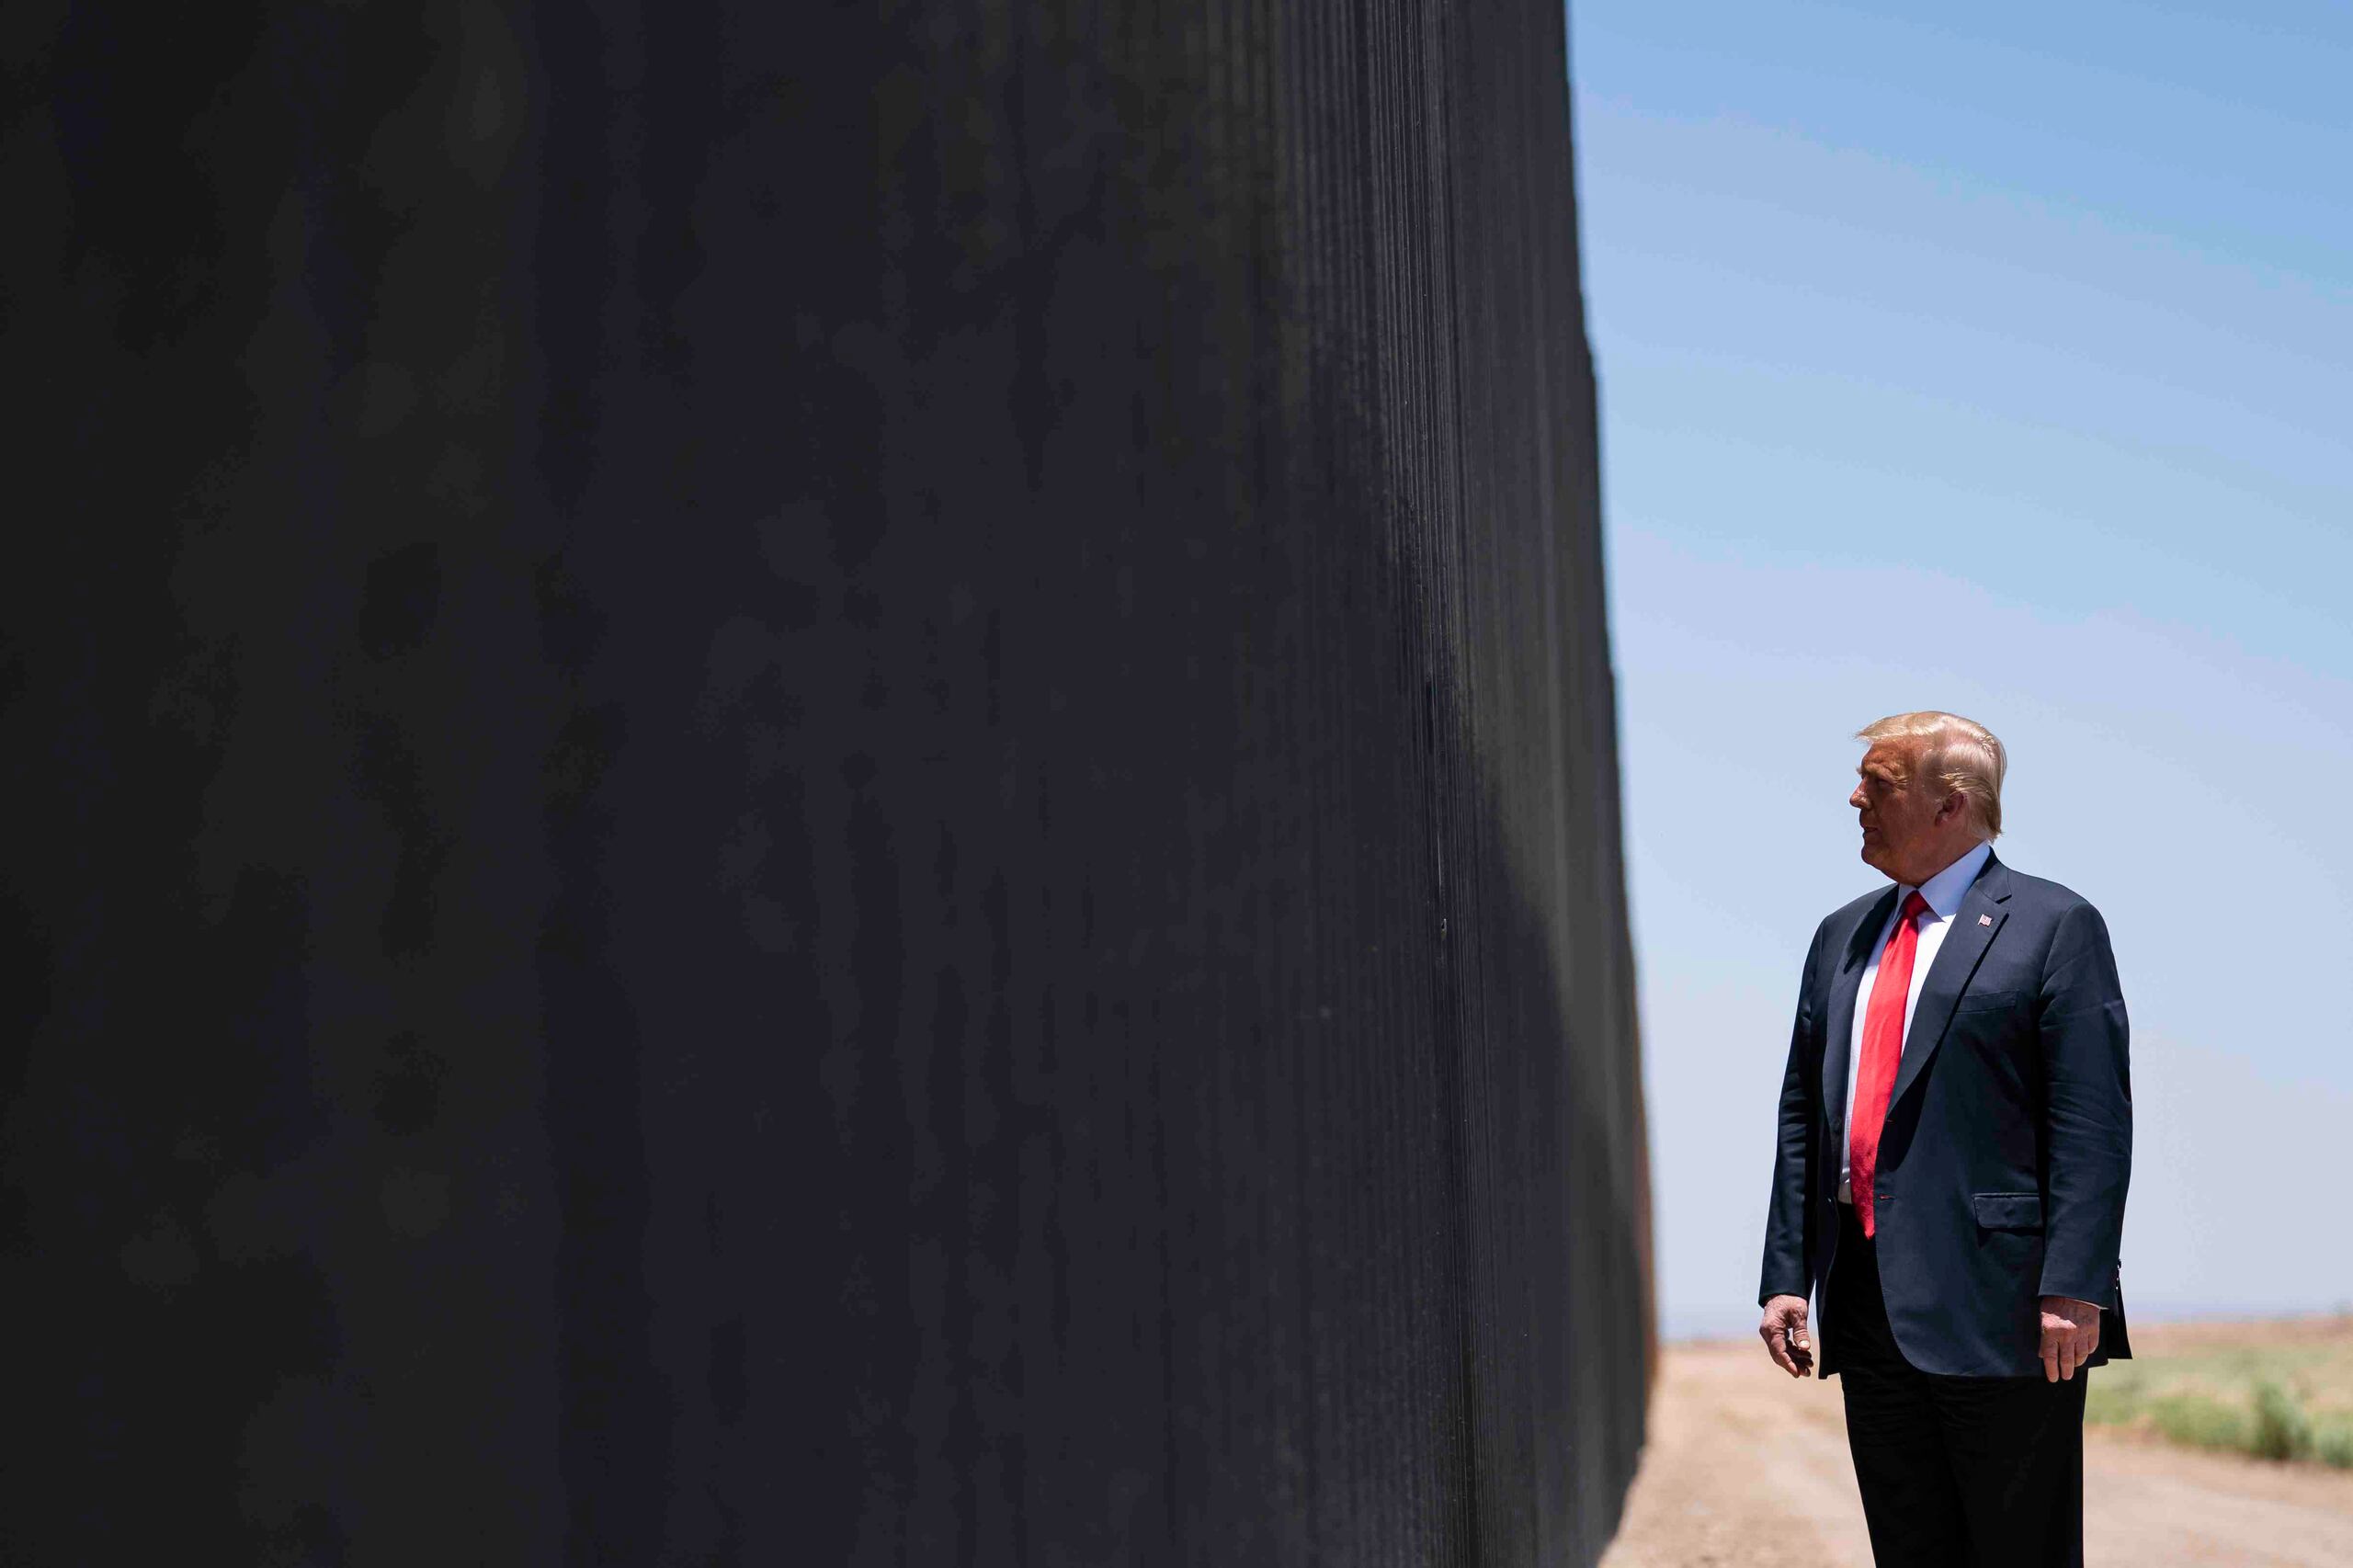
(795, 786)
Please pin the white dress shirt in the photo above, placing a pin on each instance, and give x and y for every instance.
(1942, 892)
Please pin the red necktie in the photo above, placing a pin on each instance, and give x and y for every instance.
(1882, 1051)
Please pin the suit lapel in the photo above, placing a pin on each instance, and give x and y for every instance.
(1984, 911)
(1840, 1018)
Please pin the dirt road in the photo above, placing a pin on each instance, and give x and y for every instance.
(1747, 1467)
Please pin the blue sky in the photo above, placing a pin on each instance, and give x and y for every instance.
(1999, 360)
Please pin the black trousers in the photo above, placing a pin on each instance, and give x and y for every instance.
(1956, 1472)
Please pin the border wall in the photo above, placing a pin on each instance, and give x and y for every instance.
(793, 785)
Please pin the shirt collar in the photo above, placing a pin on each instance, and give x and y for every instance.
(1943, 891)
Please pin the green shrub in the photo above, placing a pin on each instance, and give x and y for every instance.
(2113, 1401)
(2333, 1442)
(2199, 1422)
(2281, 1430)
(2289, 1403)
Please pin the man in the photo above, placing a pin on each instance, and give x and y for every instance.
(1955, 1138)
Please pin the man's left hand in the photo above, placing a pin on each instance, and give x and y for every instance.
(2070, 1334)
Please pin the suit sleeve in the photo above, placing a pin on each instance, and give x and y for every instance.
(1787, 1215)
(2087, 1098)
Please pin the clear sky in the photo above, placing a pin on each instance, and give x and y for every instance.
(1996, 358)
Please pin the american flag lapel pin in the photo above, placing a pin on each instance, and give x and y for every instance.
(1985, 920)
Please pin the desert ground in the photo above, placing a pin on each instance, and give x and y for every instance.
(1746, 1466)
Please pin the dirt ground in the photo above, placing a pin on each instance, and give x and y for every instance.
(1745, 1467)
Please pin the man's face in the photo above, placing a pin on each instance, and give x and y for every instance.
(1898, 815)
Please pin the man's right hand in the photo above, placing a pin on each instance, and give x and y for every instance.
(1783, 1332)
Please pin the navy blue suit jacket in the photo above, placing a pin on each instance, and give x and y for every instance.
(2008, 1138)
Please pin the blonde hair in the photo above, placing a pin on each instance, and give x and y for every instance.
(1960, 752)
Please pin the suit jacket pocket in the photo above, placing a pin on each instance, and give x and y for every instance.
(2009, 1211)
